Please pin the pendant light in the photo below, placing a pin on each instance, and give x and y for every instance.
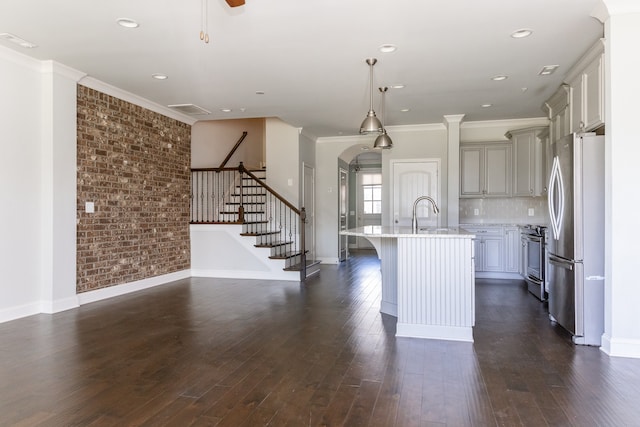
(383, 140)
(371, 124)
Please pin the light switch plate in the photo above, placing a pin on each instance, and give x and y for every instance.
(531, 212)
(89, 207)
(476, 212)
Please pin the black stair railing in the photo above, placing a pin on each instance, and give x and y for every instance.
(238, 196)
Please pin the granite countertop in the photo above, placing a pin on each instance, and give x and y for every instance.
(399, 232)
(497, 224)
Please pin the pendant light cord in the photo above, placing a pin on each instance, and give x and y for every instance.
(204, 20)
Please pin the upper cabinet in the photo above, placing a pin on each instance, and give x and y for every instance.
(485, 170)
(529, 171)
(586, 80)
(559, 113)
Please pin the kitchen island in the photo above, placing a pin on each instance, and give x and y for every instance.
(427, 279)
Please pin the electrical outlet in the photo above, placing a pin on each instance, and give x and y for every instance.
(531, 212)
(476, 212)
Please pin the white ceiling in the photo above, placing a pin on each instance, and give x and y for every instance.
(308, 56)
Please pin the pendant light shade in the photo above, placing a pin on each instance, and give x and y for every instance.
(383, 140)
(371, 124)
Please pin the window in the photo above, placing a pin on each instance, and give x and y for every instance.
(372, 193)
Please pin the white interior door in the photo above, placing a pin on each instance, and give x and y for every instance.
(308, 197)
(410, 180)
(343, 241)
(369, 202)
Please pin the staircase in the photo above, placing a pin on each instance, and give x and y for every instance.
(241, 196)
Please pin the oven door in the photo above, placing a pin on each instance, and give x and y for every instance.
(535, 258)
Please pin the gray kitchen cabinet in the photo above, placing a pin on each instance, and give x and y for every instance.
(513, 251)
(529, 173)
(489, 248)
(485, 170)
(586, 79)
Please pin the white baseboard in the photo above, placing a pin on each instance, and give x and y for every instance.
(291, 276)
(126, 288)
(56, 306)
(330, 260)
(389, 308)
(497, 275)
(13, 313)
(620, 347)
(449, 333)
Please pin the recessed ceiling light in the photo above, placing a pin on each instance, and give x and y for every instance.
(159, 76)
(486, 105)
(226, 110)
(127, 23)
(17, 40)
(499, 78)
(397, 86)
(548, 69)
(387, 48)
(521, 33)
(405, 110)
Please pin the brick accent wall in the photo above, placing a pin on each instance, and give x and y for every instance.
(134, 165)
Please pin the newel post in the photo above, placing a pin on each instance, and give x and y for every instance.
(303, 257)
(241, 207)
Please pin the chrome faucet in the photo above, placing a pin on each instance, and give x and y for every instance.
(414, 219)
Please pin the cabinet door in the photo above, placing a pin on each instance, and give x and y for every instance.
(512, 249)
(576, 106)
(471, 171)
(497, 172)
(593, 102)
(523, 164)
(493, 253)
(479, 254)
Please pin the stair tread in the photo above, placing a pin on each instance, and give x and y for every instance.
(298, 267)
(272, 244)
(286, 255)
(259, 233)
(236, 212)
(245, 203)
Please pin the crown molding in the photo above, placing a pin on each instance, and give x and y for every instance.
(103, 87)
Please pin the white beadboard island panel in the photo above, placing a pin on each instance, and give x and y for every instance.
(436, 295)
(427, 280)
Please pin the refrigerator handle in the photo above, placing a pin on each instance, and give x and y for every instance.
(556, 210)
(559, 262)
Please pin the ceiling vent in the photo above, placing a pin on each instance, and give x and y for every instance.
(191, 109)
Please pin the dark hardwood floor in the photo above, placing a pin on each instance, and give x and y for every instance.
(250, 353)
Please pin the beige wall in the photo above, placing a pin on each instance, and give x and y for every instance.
(212, 140)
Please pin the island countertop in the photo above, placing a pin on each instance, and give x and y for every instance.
(400, 232)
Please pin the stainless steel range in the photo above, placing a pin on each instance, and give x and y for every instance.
(534, 244)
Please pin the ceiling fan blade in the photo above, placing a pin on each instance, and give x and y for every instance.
(234, 3)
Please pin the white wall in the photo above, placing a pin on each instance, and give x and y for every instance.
(622, 91)
(415, 142)
(211, 141)
(20, 185)
(283, 159)
(59, 186)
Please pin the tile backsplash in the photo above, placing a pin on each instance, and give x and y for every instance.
(504, 210)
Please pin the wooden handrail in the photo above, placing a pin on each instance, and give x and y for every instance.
(269, 189)
(233, 150)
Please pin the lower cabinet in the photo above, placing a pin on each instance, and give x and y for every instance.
(497, 249)
(512, 249)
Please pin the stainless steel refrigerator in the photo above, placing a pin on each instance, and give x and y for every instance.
(576, 240)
